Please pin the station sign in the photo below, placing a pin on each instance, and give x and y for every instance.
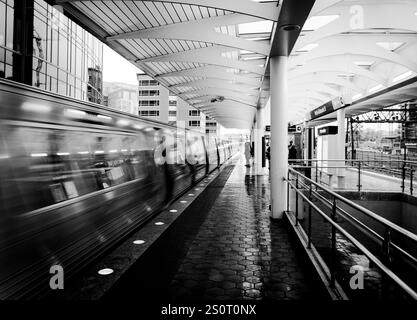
(322, 110)
(328, 130)
(295, 128)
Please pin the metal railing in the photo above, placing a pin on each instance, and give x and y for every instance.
(314, 194)
(404, 171)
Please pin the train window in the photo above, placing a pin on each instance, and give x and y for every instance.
(46, 166)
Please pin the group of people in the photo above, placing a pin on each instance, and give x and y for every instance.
(292, 153)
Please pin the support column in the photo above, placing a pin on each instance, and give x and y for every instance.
(259, 132)
(279, 135)
(341, 141)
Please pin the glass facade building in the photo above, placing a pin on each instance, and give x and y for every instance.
(49, 51)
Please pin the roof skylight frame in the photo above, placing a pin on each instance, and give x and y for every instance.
(316, 22)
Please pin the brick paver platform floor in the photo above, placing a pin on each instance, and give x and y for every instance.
(239, 253)
(224, 247)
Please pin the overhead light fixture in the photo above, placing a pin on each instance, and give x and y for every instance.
(308, 47)
(364, 63)
(402, 76)
(357, 96)
(376, 88)
(391, 46)
(316, 22)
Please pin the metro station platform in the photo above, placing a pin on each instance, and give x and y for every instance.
(225, 248)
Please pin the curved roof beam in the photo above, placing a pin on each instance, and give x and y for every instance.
(208, 55)
(228, 95)
(357, 46)
(269, 11)
(401, 16)
(298, 98)
(325, 78)
(309, 94)
(215, 83)
(221, 90)
(334, 66)
(321, 5)
(216, 72)
(319, 87)
(228, 103)
(201, 30)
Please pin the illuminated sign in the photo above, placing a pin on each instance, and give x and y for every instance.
(327, 130)
(322, 110)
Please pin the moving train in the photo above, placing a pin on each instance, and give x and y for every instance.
(76, 178)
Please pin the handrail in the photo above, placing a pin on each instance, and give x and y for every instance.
(354, 160)
(363, 210)
(356, 243)
(365, 229)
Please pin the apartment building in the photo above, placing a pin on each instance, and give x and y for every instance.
(158, 103)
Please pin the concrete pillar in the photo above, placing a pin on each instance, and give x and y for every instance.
(259, 132)
(279, 135)
(341, 137)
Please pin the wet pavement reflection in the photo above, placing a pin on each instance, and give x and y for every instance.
(239, 253)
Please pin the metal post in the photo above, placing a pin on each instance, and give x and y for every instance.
(317, 171)
(333, 269)
(386, 246)
(279, 133)
(359, 176)
(296, 201)
(411, 180)
(309, 217)
(352, 139)
(288, 191)
(259, 133)
(403, 178)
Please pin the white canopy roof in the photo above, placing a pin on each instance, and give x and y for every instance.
(215, 53)
(211, 53)
(353, 50)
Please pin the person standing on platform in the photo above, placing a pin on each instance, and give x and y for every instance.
(247, 153)
(268, 155)
(292, 153)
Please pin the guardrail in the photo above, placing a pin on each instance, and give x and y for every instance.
(311, 191)
(406, 173)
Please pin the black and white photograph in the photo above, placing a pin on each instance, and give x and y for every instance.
(214, 159)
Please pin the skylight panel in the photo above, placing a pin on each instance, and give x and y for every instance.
(264, 26)
(316, 22)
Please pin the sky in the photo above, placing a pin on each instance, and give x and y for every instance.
(118, 69)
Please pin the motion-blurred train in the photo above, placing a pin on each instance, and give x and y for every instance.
(76, 178)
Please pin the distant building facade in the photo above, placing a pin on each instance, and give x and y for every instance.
(95, 85)
(121, 96)
(158, 103)
(61, 57)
